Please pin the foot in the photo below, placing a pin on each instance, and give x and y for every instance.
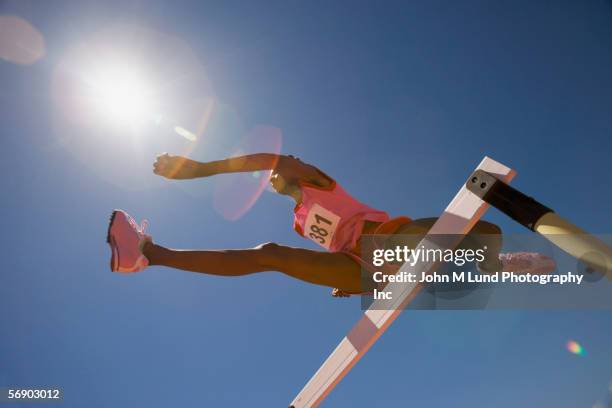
(126, 240)
(527, 262)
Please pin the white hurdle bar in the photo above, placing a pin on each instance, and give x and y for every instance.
(458, 219)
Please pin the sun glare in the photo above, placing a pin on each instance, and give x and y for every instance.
(119, 94)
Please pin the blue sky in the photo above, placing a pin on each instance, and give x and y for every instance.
(398, 101)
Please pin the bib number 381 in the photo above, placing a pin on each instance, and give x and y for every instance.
(321, 225)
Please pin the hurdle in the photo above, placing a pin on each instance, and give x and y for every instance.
(487, 185)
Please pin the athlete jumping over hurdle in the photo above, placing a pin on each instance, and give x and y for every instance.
(324, 213)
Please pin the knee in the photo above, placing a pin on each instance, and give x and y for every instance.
(489, 228)
(267, 246)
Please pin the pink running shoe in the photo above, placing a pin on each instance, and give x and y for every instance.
(527, 262)
(126, 240)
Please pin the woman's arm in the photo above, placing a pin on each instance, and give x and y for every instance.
(239, 164)
(180, 168)
(290, 168)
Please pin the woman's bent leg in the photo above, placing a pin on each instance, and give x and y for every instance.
(483, 234)
(336, 270)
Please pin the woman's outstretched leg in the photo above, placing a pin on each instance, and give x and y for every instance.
(133, 251)
(335, 270)
(229, 262)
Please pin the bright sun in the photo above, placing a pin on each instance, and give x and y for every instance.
(119, 94)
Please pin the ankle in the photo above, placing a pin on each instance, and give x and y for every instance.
(149, 250)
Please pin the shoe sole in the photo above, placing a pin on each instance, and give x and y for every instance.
(111, 242)
(541, 267)
(110, 224)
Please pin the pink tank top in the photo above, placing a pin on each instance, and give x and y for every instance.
(331, 217)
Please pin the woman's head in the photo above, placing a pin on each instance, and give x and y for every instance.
(285, 186)
(278, 183)
(285, 177)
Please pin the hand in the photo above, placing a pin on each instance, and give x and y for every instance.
(176, 167)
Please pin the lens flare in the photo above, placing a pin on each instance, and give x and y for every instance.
(20, 43)
(236, 193)
(185, 133)
(574, 347)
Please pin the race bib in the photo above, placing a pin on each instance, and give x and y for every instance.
(321, 225)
